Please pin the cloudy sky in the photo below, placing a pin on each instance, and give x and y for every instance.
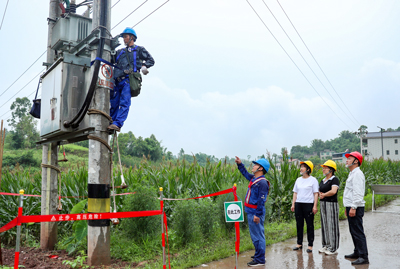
(222, 84)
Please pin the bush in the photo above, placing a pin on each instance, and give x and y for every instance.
(24, 159)
(144, 199)
(185, 221)
(207, 212)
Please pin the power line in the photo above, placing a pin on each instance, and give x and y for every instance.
(23, 87)
(312, 70)
(151, 13)
(4, 15)
(23, 73)
(317, 62)
(115, 3)
(295, 63)
(129, 14)
(27, 96)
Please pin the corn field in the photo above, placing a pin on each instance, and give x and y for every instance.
(178, 179)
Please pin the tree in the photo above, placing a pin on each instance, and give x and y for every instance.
(317, 145)
(24, 133)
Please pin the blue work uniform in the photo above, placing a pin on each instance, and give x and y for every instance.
(120, 96)
(255, 206)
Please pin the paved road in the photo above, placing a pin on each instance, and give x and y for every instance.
(383, 238)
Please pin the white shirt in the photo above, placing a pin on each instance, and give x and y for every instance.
(305, 189)
(354, 190)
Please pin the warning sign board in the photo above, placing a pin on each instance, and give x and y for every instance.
(106, 77)
(234, 211)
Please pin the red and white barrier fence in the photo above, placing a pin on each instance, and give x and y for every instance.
(98, 216)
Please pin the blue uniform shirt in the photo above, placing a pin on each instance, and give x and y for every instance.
(259, 192)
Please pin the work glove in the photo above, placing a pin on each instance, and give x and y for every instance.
(144, 70)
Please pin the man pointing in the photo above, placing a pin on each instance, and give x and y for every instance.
(254, 206)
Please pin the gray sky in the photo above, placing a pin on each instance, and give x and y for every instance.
(222, 85)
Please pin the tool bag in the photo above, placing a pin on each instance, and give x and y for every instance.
(135, 78)
(35, 110)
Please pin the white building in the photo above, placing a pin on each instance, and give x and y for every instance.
(326, 154)
(390, 149)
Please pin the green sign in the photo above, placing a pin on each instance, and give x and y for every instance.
(234, 211)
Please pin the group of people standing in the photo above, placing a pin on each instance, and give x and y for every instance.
(306, 193)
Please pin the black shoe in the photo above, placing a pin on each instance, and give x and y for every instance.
(297, 248)
(309, 250)
(360, 261)
(254, 264)
(352, 256)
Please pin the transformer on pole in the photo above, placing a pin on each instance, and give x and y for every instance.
(70, 86)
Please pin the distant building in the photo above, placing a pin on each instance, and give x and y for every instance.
(326, 154)
(308, 156)
(296, 162)
(374, 141)
(340, 157)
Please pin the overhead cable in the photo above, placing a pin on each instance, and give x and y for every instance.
(312, 70)
(129, 14)
(10, 109)
(23, 73)
(151, 13)
(296, 64)
(4, 15)
(23, 87)
(317, 62)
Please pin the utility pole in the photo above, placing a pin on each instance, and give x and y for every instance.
(381, 139)
(99, 173)
(48, 231)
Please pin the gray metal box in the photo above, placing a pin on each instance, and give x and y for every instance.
(63, 93)
(70, 31)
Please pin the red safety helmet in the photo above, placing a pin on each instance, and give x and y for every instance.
(356, 155)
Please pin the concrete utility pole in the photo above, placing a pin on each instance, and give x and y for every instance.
(48, 231)
(99, 157)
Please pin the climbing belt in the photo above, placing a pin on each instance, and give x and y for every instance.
(114, 221)
(93, 137)
(123, 184)
(96, 111)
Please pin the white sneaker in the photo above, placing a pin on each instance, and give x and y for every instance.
(324, 249)
(328, 252)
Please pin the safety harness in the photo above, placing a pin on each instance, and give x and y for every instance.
(248, 194)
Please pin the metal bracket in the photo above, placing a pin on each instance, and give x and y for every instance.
(68, 137)
(89, 40)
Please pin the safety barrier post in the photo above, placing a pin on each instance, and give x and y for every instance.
(162, 228)
(237, 236)
(21, 203)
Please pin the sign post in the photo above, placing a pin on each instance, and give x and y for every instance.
(234, 213)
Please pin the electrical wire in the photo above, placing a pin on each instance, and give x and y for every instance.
(4, 15)
(27, 96)
(316, 61)
(312, 70)
(129, 14)
(296, 64)
(23, 73)
(23, 87)
(151, 13)
(115, 3)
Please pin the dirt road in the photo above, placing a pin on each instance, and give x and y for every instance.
(383, 239)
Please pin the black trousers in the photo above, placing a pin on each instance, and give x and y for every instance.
(303, 211)
(357, 232)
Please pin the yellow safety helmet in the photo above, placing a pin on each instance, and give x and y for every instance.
(330, 163)
(309, 164)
